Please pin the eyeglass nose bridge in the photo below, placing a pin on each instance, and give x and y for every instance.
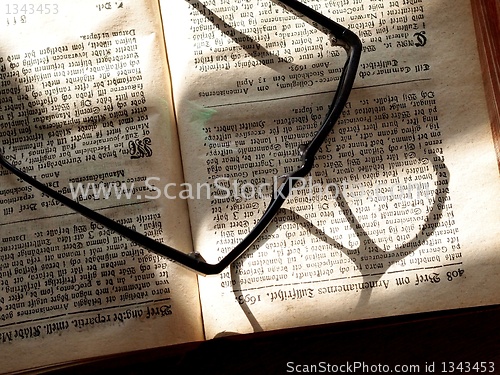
(307, 159)
(304, 168)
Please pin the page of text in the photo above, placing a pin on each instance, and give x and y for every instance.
(85, 108)
(398, 214)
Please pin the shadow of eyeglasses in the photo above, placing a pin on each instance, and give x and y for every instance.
(410, 246)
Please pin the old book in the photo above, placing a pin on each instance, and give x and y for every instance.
(176, 118)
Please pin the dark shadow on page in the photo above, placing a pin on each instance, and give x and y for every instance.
(426, 231)
(247, 43)
(235, 277)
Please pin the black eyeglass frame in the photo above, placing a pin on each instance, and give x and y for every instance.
(340, 36)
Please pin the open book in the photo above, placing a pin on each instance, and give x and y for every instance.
(150, 112)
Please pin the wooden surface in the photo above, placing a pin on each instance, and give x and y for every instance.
(471, 335)
(487, 22)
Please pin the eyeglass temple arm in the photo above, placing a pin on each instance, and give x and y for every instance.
(175, 255)
(190, 261)
(317, 19)
(194, 262)
(352, 44)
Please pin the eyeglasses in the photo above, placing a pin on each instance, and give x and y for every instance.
(339, 36)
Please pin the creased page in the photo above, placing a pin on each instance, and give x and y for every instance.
(400, 212)
(86, 108)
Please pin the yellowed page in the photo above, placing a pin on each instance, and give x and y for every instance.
(85, 99)
(401, 213)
